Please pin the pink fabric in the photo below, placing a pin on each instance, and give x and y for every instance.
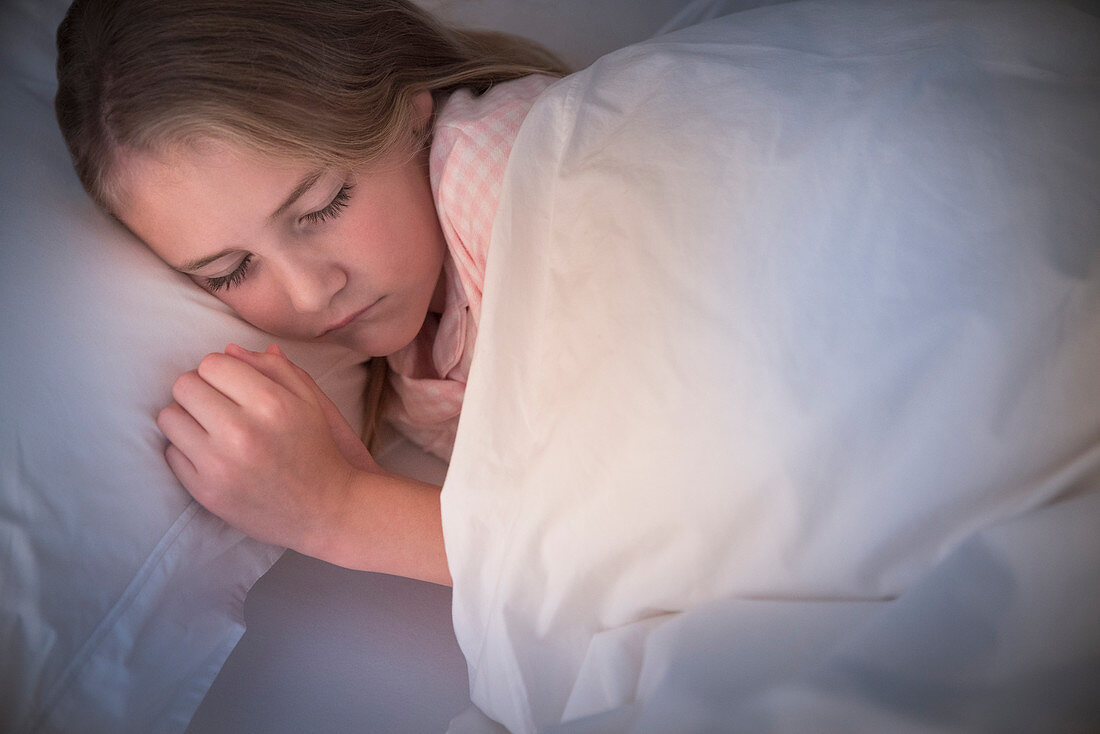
(471, 141)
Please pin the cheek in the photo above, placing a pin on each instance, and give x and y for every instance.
(371, 248)
(258, 307)
(397, 230)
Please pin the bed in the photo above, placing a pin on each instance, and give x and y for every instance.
(783, 417)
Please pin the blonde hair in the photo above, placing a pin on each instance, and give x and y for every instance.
(328, 81)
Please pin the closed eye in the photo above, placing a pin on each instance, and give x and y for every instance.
(332, 210)
(229, 281)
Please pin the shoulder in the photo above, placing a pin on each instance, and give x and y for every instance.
(500, 109)
(471, 141)
(479, 128)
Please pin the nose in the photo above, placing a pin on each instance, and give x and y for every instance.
(310, 284)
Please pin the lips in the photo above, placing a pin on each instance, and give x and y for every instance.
(347, 320)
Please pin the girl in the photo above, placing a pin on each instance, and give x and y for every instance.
(330, 171)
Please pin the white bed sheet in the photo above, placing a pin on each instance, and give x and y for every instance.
(119, 597)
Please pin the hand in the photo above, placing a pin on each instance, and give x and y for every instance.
(256, 442)
(347, 440)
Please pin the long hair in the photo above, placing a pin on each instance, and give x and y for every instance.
(325, 81)
(329, 81)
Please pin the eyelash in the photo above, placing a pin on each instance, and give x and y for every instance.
(331, 211)
(231, 280)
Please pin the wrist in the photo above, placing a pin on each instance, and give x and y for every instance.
(327, 533)
(384, 523)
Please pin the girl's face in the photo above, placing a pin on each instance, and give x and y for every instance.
(350, 257)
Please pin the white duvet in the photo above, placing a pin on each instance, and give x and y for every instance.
(784, 414)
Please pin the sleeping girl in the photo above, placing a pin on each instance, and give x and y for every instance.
(329, 170)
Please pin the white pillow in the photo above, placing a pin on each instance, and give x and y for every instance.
(784, 306)
(119, 597)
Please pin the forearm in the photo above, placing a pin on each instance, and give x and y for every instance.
(254, 440)
(388, 524)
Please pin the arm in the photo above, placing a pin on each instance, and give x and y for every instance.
(390, 524)
(256, 442)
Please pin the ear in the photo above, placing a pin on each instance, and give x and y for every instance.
(423, 104)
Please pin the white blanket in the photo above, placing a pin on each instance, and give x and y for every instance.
(786, 383)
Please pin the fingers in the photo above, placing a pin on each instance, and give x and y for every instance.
(216, 392)
(331, 411)
(304, 376)
(182, 467)
(264, 469)
(273, 365)
(347, 440)
(185, 437)
(224, 408)
(201, 400)
(181, 428)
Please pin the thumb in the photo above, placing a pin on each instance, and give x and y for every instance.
(345, 437)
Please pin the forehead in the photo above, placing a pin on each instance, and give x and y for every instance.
(201, 169)
(190, 200)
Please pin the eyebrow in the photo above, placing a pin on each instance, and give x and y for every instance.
(192, 265)
(303, 186)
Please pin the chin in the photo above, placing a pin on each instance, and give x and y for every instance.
(378, 345)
